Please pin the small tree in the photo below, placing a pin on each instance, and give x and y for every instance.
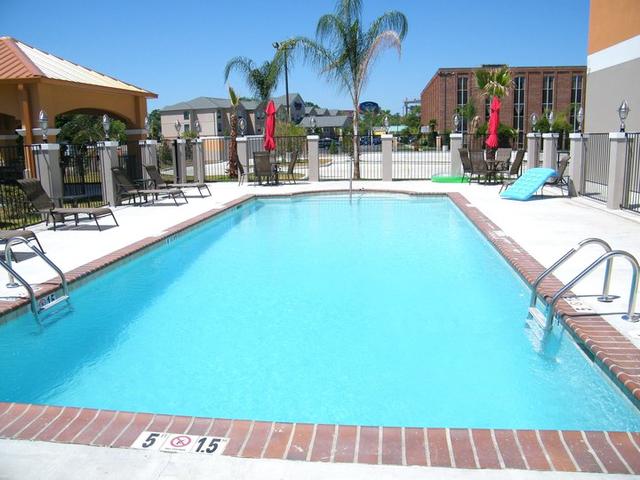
(233, 142)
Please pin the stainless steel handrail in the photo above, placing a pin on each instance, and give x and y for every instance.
(25, 284)
(605, 297)
(609, 256)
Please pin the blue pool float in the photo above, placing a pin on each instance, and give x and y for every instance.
(528, 184)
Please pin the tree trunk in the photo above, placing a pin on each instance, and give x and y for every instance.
(233, 148)
(356, 143)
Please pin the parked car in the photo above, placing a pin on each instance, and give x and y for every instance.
(326, 142)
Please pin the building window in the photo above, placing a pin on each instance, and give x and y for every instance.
(185, 115)
(518, 107)
(576, 100)
(547, 93)
(186, 127)
(487, 108)
(463, 99)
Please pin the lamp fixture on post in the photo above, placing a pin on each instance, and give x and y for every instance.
(580, 118)
(177, 126)
(386, 124)
(533, 118)
(456, 122)
(313, 123)
(196, 125)
(284, 46)
(623, 113)
(242, 126)
(146, 123)
(106, 125)
(43, 119)
(551, 117)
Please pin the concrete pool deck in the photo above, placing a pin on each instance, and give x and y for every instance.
(545, 228)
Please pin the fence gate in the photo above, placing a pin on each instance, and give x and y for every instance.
(595, 177)
(80, 166)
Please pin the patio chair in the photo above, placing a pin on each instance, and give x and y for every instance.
(291, 167)
(262, 166)
(161, 183)
(28, 235)
(478, 165)
(43, 204)
(126, 188)
(514, 170)
(467, 169)
(559, 180)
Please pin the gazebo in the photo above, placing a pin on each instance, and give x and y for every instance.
(32, 80)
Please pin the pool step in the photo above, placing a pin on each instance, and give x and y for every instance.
(538, 316)
(53, 303)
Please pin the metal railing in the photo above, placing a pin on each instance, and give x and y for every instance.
(411, 161)
(81, 177)
(595, 177)
(130, 159)
(15, 210)
(631, 192)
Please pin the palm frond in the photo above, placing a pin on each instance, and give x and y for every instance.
(385, 40)
(233, 97)
(241, 65)
(392, 20)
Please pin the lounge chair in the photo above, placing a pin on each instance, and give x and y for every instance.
(514, 171)
(291, 167)
(28, 235)
(503, 156)
(126, 188)
(159, 182)
(479, 166)
(467, 169)
(42, 203)
(559, 180)
(262, 167)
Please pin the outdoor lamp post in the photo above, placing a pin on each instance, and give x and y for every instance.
(551, 118)
(106, 125)
(242, 125)
(386, 124)
(533, 119)
(146, 124)
(456, 122)
(580, 118)
(313, 122)
(623, 112)
(196, 125)
(284, 46)
(177, 126)
(43, 119)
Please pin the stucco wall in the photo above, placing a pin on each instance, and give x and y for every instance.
(611, 22)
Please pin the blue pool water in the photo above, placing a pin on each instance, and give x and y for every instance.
(384, 311)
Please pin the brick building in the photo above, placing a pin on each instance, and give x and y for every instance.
(535, 89)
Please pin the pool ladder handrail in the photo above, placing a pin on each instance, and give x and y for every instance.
(608, 257)
(605, 297)
(13, 275)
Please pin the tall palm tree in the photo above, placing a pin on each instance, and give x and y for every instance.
(233, 143)
(495, 82)
(345, 51)
(262, 80)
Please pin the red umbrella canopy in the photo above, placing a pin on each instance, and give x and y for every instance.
(270, 127)
(494, 123)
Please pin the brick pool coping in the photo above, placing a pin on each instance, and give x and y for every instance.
(550, 450)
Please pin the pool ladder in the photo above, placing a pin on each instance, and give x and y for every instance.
(7, 264)
(545, 319)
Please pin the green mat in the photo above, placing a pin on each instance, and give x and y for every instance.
(447, 179)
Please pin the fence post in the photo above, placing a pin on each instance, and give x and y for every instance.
(180, 161)
(387, 157)
(314, 158)
(576, 162)
(243, 153)
(149, 154)
(198, 160)
(455, 141)
(533, 150)
(108, 153)
(617, 166)
(48, 169)
(550, 150)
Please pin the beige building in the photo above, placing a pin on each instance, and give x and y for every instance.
(613, 65)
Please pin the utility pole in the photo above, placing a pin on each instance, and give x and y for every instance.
(285, 47)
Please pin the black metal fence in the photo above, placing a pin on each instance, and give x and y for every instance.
(81, 177)
(631, 193)
(130, 159)
(410, 161)
(15, 210)
(595, 168)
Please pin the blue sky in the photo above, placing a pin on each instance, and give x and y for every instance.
(178, 49)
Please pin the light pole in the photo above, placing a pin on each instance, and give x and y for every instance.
(285, 47)
(43, 119)
(456, 122)
(580, 119)
(177, 126)
(444, 76)
(106, 125)
(623, 112)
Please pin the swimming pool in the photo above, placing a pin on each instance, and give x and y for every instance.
(386, 310)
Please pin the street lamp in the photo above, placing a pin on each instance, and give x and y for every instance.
(284, 46)
(196, 125)
(623, 112)
(313, 123)
(456, 122)
(580, 118)
(551, 117)
(533, 119)
(242, 125)
(386, 124)
(106, 125)
(43, 119)
(444, 76)
(177, 126)
(147, 126)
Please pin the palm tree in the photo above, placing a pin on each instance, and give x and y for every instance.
(261, 80)
(345, 52)
(233, 143)
(495, 82)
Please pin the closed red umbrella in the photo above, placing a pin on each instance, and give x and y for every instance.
(494, 123)
(270, 127)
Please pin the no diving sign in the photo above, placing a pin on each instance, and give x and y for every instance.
(178, 442)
